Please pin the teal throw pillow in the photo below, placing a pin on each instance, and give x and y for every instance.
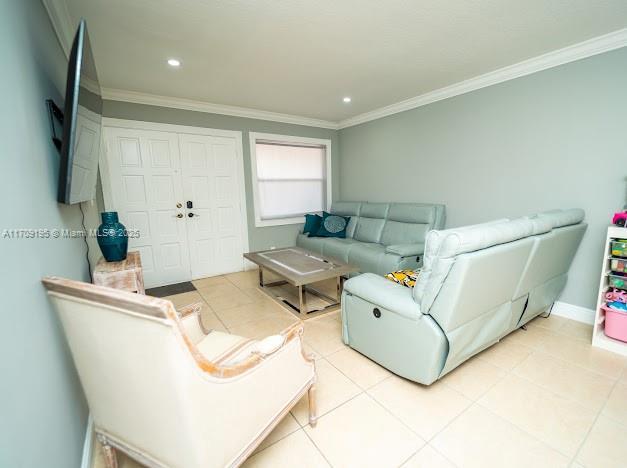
(333, 225)
(312, 224)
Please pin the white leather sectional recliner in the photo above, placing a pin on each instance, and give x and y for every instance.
(478, 284)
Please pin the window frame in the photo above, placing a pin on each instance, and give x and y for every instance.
(285, 139)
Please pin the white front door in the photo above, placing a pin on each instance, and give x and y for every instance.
(149, 178)
(146, 189)
(212, 186)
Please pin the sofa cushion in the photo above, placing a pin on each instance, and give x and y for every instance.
(367, 256)
(408, 223)
(217, 343)
(263, 347)
(452, 242)
(374, 210)
(369, 229)
(440, 217)
(346, 208)
(412, 213)
(351, 209)
(396, 232)
(352, 224)
(313, 244)
(406, 250)
(405, 278)
(312, 223)
(560, 218)
(541, 224)
(338, 248)
(371, 222)
(333, 226)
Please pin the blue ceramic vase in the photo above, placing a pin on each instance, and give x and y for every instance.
(112, 237)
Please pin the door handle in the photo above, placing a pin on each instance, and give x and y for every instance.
(191, 215)
(178, 215)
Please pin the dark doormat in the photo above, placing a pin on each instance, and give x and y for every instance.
(171, 289)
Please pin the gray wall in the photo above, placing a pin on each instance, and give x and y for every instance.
(259, 238)
(554, 139)
(42, 408)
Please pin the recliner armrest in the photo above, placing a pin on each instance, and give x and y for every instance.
(384, 293)
(406, 250)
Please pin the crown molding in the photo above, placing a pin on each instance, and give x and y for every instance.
(597, 45)
(200, 106)
(61, 22)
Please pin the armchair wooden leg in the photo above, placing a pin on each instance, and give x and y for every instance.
(313, 413)
(110, 457)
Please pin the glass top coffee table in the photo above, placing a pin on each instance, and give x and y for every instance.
(300, 268)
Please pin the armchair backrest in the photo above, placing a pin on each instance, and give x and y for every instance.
(390, 223)
(131, 362)
(150, 388)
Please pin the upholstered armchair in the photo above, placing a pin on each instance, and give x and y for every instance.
(169, 393)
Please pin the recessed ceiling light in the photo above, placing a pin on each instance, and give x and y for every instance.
(346, 99)
(174, 62)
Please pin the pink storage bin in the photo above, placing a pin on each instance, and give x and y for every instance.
(615, 324)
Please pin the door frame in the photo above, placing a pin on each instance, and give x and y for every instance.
(105, 172)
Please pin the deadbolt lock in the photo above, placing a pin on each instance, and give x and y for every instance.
(179, 205)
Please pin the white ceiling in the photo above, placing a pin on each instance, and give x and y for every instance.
(301, 57)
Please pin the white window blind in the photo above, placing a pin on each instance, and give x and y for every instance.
(291, 179)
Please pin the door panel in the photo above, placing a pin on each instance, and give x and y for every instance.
(150, 172)
(146, 185)
(211, 182)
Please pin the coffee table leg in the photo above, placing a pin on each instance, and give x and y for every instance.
(302, 299)
(260, 276)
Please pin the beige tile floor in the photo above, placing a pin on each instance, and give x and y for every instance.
(541, 397)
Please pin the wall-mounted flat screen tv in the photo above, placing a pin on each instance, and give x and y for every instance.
(82, 124)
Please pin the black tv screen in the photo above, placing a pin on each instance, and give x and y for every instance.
(82, 124)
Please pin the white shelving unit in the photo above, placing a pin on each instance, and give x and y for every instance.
(599, 338)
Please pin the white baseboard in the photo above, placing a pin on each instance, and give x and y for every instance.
(88, 445)
(573, 312)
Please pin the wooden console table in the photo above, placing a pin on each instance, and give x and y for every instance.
(126, 275)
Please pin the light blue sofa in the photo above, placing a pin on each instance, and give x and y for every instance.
(380, 237)
(478, 284)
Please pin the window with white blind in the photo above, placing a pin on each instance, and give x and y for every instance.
(291, 177)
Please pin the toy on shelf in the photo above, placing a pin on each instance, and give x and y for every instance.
(616, 299)
(618, 281)
(620, 218)
(619, 248)
(618, 265)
